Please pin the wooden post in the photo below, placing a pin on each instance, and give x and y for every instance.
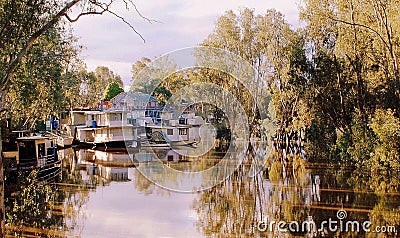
(2, 205)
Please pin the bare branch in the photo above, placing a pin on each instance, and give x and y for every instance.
(140, 14)
(126, 22)
(121, 18)
(83, 14)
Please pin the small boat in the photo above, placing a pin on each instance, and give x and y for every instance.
(35, 152)
(64, 141)
(160, 139)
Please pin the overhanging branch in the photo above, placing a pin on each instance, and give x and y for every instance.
(14, 63)
(105, 8)
(83, 14)
(63, 12)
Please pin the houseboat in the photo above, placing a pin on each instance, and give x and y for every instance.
(35, 152)
(107, 129)
(182, 131)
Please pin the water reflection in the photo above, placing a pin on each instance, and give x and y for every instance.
(103, 194)
(298, 191)
(118, 209)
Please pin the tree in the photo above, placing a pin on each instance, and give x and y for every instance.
(276, 52)
(105, 75)
(152, 82)
(95, 83)
(22, 23)
(43, 84)
(353, 73)
(112, 90)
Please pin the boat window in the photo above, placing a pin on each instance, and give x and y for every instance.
(170, 132)
(116, 132)
(27, 152)
(132, 121)
(115, 117)
(183, 131)
(170, 158)
(41, 150)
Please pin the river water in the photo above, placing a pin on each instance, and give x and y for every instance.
(104, 194)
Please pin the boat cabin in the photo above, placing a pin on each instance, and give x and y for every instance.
(35, 151)
(106, 118)
(185, 128)
(109, 128)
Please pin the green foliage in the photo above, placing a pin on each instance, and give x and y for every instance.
(353, 84)
(112, 90)
(42, 86)
(41, 73)
(362, 141)
(94, 84)
(387, 130)
(159, 78)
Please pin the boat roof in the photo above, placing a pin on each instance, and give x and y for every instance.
(169, 127)
(104, 127)
(34, 138)
(93, 112)
(112, 110)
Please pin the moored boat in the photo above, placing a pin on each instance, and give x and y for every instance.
(107, 129)
(65, 141)
(35, 152)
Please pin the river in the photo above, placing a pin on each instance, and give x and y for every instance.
(104, 194)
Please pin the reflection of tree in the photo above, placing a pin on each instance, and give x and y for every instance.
(233, 207)
(142, 184)
(43, 209)
(72, 196)
(146, 186)
(31, 207)
(384, 196)
(288, 192)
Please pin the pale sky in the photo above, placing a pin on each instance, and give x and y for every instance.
(109, 42)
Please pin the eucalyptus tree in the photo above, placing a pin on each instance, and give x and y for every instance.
(41, 85)
(105, 75)
(354, 72)
(22, 23)
(99, 80)
(153, 79)
(276, 52)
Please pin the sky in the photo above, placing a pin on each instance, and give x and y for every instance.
(178, 24)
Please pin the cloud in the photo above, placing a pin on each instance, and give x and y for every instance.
(110, 42)
(119, 210)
